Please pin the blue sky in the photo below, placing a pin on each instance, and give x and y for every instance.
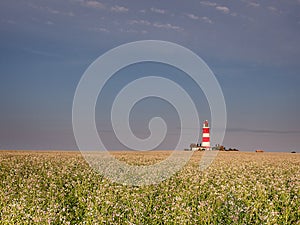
(251, 46)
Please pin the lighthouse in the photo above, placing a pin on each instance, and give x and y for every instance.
(205, 136)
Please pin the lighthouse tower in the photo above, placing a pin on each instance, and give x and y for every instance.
(205, 136)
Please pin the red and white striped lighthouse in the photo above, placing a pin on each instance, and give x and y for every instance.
(205, 136)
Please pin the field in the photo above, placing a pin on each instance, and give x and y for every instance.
(238, 188)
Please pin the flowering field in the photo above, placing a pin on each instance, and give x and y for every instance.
(238, 188)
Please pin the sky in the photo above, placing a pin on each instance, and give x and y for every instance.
(252, 47)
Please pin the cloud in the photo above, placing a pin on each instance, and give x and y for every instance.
(192, 16)
(206, 19)
(94, 4)
(156, 24)
(51, 10)
(272, 9)
(167, 26)
(133, 31)
(140, 22)
(54, 11)
(49, 23)
(100, 29)
(159, 11)
(119, 9)
(207, 3)
(253, 4)
(223, 9)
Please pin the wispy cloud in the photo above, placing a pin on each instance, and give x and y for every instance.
(99, 5)
(203, 18)
(223, 9)
(119, 9)
(192, 16)
(218, 7)
(156, 25)
(49, 23)
(133, 31)
(51, 10)
(140, 22)
(253, 4)
(207, 3)
(159, 11)
(273, 9)
(206, 19)
(167, 26)
(54, 11)
(100, 29)
(94, 4)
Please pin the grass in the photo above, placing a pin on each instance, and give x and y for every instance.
(238, 188)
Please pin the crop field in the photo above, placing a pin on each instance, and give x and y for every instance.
(238, 188)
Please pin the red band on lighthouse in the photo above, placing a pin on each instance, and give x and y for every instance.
(205, 130)
(205, 139)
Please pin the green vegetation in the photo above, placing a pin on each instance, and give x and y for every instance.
(238, 188)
